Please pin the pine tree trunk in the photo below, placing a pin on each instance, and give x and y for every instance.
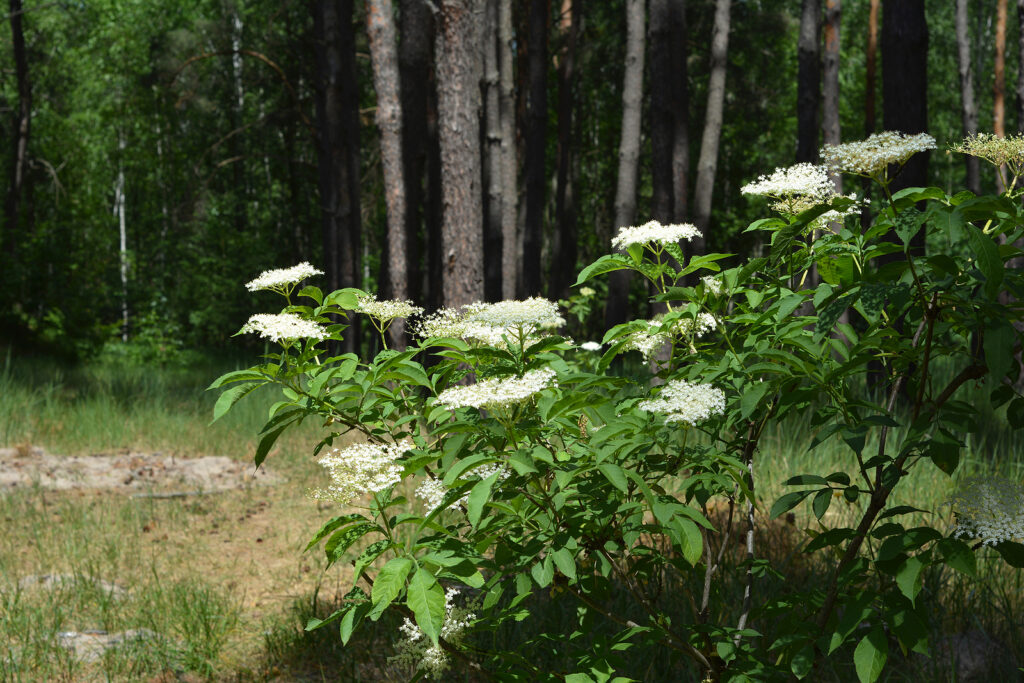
(536, 143)
(870, 84)
(830, 100)
(563, 267)
(662, 114)
(707, 163)
(1020, 66)
(999, 84)
(494, 201)
(337, 156)
(380, 29)
(617, 307)
(509, 168)
(21, 129)
(968, 108)
(681, 106)
(458, 94)
(808, 88)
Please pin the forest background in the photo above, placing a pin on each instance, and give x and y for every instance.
(159, 153)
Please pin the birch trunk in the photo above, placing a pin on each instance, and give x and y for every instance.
(122, 228)
(616, 309)
(968, 107)
(21, 129)
(707, 163)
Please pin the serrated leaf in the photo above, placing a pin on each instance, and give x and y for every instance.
(351, 620)
(958, 555)
(425, 598)
(986, 253)
(822, 501)
(343, 539)
(614, 474)
(230, 397)
(565, 563)
(333, 525)
(908, 578)
(802, 662)
(605, 264)
(788, 502)
(478, 498)
(870, 656)
(691, 541)
(388, 584)
(1012, 552)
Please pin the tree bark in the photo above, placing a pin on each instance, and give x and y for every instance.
(870, 84)
(968, 107)
(808, 88)
(536, 143)
(22, 128)
(458, 85)
(905, 84)
(509, 166)
(563, 266)
(660, 40)
(491, 145)
(1020, 66)
(681, 106)
(830, 100)
(380, 29)
(338, 155)
(999, 83)
(617, 306)
(707, 163)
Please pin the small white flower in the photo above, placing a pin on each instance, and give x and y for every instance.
(712, 284)
(433, 490)
(587, 291)
(802, 180)
(656, 335)
(682, 401)
(490, 324)
(361, 468)
(282, 279)
(415, 652)
(590, 346)
(497, 393)
(655, 232)
(284, 326)
(990, 509)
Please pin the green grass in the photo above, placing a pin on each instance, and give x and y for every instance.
(222, 579)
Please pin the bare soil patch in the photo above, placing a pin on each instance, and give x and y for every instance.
(127, 471)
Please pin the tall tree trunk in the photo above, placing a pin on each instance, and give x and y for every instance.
(968, 107)
(617, 307)
(808, 85)
(240, 190)
(830, 100)
(21, 129)
(458, 98)
(122, 231)
(336, 107)
(509, 166)
(707, 163)
(536, 143)
(491, 145)
(999, 83)
(660, 39)
(380, 29)
(870, 84)
(681, 106)
(905, 84)
(420, 150)
(563, 265)
(1020, 66)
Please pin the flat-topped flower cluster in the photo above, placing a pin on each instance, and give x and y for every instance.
(681, 401)
(871, 157)
(433, 490)
(361, 468)
(990, 509)
(648, 341)
(995, 150)
(278, 327)
(388, 309)
(497, 392)
(415, 651)
(282, 280)
(493, 324)
(654, 232)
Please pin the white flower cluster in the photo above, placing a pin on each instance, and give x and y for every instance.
(653, 231)
(990, 509)
(497, 392)
(282, 279)
(996, 151)
(386, 310)
(682, 401)
(871, 157)
(361, 468)
(433, 491)
(713, 285)
(801, 180)
(284, 326)
(590, 346)
(415, 651)
(655, 336)
(487, 324)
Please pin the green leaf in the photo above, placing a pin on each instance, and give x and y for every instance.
(369, 554)
(267, 442)
(821, 502)
(342, 540)
(802, 662)
(543, 572)
(312, 292)
(351, 620)
(388, 584)
(1015, 413)
(478, 497)
(908, 578)
(958, 555)
(987, 254)
(870, 655)
(565, 562)
(691, 541)
(232, 396)
(1013, 553)
(334, 524)
(753, 397)
(911, 630)
(236, 376)
(788, 502)
(426, 600)
(347, 298)
(605, 264)
(614, 474)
